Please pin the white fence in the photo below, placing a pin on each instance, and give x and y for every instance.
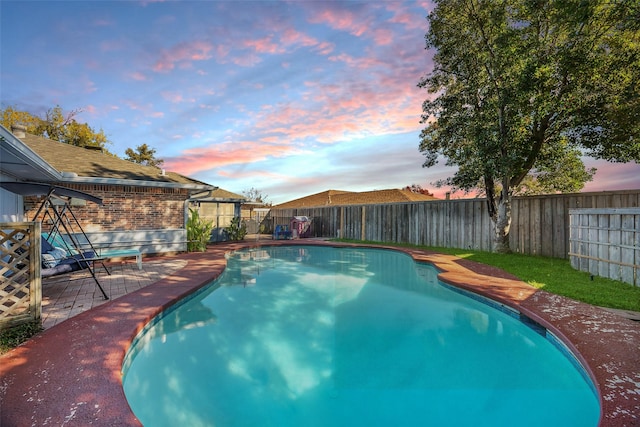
(606, 243)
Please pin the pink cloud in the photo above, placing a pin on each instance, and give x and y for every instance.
(325, 48)
(247, 60)
(613, 176)
(410, 20)
(201, 159)
(138, 76)
(91, 109)
(362, 63)
(263, 45)
(339, 121)
(184, 54)
(289, 38)
(342, 20)
(146, 109)
(292, 36)
(383, 36)
(175, 97)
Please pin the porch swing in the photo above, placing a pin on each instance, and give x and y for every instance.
(61, 250)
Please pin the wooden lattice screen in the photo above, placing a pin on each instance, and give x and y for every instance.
(20, 282)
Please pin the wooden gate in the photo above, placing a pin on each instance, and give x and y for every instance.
(606, 243)
(20, 282)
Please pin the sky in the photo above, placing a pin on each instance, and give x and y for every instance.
(290, 98)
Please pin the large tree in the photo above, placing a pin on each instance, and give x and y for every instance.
(526, 87)
(56, 125)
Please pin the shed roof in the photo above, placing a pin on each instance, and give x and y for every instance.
(219, 195)
(341, 198)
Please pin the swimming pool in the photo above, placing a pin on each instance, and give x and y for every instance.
(324, 336)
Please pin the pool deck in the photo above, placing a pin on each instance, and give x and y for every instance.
(71, 373)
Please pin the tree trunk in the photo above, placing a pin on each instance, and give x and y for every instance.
(502, 225)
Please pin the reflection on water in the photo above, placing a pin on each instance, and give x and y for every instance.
(325, 336)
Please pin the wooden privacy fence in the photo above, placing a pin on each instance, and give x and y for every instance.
(540, 224)
(20, 282)
(606, 243)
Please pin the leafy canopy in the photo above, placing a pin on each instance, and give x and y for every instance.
(57, 126)
(144, 155)
(522, 88)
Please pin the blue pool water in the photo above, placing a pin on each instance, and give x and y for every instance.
(317, 336)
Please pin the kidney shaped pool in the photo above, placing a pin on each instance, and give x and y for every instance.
(319, 336)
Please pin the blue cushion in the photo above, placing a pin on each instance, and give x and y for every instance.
(46, 246)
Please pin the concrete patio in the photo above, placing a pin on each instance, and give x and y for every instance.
(69, 295)
(71, 374)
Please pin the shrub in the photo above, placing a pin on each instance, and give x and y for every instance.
(198, 232)
(236, 230)
(16, 335)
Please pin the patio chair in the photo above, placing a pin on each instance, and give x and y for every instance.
(57, 261)
(281, 232)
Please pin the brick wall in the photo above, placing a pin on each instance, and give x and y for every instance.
(124, 208)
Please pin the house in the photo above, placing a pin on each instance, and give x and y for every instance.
(289, 213)
(343, 198)
(142, 205)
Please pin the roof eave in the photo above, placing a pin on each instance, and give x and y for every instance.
(135, 182)
(18, 148)
(216, 199)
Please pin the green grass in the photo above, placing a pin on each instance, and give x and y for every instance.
(554, 275)
(13, 337)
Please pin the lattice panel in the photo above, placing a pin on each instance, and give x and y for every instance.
(20, 285)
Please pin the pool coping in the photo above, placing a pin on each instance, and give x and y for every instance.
(71, 373)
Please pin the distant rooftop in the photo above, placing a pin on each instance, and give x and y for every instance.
(341, 198)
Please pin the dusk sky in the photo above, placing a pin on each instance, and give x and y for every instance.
(288, 97)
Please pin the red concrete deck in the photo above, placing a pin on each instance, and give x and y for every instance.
(71, 374)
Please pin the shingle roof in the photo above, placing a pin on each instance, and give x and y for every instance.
(220, 194)
(96, 164)
(341, 198)
(224, 194)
